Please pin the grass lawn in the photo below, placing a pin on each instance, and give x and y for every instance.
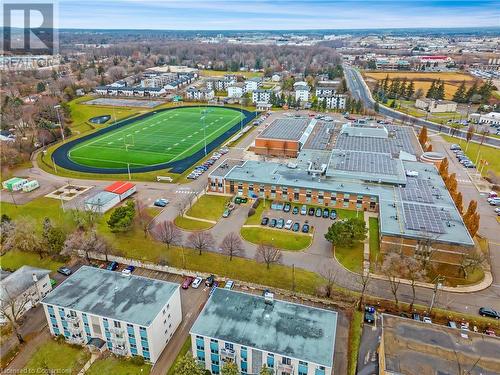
(491, 154)
(256, 218)
(57, 356)
(282, 239)
(374, 241)
(185, 348)
(354, 341)
(209, 207)
(14, 259)
(350, 257)
(117, 366)
(189, 224)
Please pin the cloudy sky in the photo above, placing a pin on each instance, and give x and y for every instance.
(276, 14)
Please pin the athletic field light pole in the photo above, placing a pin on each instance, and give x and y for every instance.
(204, 114)
(56, 107)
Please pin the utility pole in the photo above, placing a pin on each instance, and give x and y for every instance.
(437, 286)
(128, 169)
(293, 278)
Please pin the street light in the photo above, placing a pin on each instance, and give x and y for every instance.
(204, 115)
(438, 285)
(56, 107)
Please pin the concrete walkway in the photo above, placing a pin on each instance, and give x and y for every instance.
(27, 351)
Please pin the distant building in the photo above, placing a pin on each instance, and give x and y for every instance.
(434, 61)
(129, 91)
(199, 94)
(391, 63)
(236, 90)
(25, 288)
(433, 105)
(333, 101)
(131, 315)
(252, 331)
(261, 96)
(301, 93)
(221, 84)
(252, 84)
(492, 118)
(276, 77)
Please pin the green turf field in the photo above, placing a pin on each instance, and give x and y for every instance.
(164, 137)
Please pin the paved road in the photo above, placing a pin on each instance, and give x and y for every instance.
(360, 91)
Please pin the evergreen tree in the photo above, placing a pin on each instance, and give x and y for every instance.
(402, 88)
(410, 90)
(385, 84)
(440, 91)
(485, 91)
(471, 92)
(432, 90)
(459, 95)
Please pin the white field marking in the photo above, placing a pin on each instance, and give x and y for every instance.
(120, 139)
(176, 144)
(137, 131)
(183, 140)
(110, 142)
(208, 136)
(190, 135)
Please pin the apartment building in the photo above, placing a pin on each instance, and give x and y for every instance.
(252, 331)
(252, 84)
(333, 101)
(199, 94)
(128, 315)
(302, 93)
(261, 96)
(236, 90)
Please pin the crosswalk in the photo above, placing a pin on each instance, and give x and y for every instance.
(184, 191)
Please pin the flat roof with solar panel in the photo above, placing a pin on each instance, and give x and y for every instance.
(286, 129)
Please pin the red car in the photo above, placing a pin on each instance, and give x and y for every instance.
(187, 282)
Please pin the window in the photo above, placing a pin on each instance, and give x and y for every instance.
(270, 360)
(286, 361)
(229, 346)
(117, 324)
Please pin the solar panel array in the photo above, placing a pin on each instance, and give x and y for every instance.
(417, 190)
(286, 129)
(321, 137)
(424, 218)
(399, 139)
(364, 162)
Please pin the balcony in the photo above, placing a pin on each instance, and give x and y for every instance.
(116, 331)
(120, 350)
(282, 368)
(118, 340)
(76, 339)
(72, 319)
(228, 354)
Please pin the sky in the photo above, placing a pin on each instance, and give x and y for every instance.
(276, 14)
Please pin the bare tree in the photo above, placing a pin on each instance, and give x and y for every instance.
(329, 274)
(413, 272)
(23, 236)
(471, 261)
(201, 240)
(168, 233)
(13, 308)
(393, 269)
(143, 217)
(267, 254)
(364, 280)
(232, 245)
(86, 242)
(182, 206)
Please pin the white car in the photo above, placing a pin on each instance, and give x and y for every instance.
(412, 173)
(288, 224)
(494, 201)
(426, 319)
(197, 282)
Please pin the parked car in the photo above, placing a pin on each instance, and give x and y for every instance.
(455, 147)
(369, 314)
(452, 324)
(319, 212)
(64, 271)
(265, 221)
(229, 284)
(296, 227)
(326, 213)
(303, 210)
(494, 201)
(295, 210)
(280, 224)
(196, 282)
(288, 224)
(273, 223)
(415, 316)
(490, 332)
(226, 213)
(426, 319)
(311, 211)
(305, 228)
(287, 207)
(489, 312)
(162, 202)
(128, 270)
(333, 214)
(210, 280)
(464, 330)
(187, 282)
(112, 266)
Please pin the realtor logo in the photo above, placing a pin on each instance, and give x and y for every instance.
(28, 28)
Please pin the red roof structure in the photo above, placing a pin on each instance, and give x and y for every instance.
(119, 187)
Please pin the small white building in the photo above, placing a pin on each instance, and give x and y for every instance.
(130, 315)
(102, 202)
(236, 90)
(276, 77)
(433, 105)
(252, 84)
(302, 93)
(492, 118)
(123, 189)
(261, 96)
(252, 331)
(24, 288)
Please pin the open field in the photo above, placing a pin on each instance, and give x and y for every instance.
(423, 80)
(209, 207)
(163, 137)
